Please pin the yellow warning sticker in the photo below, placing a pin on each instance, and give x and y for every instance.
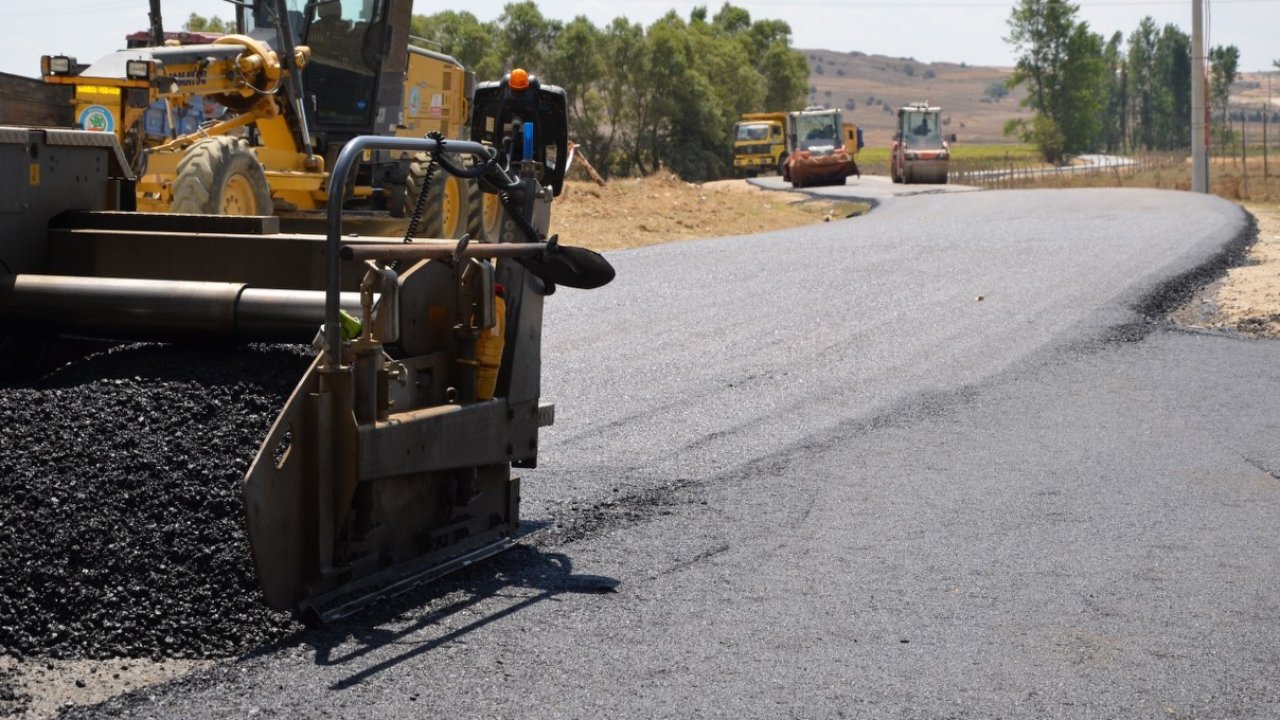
(34, 177)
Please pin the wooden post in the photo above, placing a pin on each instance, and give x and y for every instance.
(1244, 149)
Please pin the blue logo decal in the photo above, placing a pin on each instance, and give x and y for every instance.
(96, 118)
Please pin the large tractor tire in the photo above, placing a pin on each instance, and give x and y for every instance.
(452, 207)
(491, 216)
(221, 176)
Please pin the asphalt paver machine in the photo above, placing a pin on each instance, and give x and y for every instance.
(392, 461)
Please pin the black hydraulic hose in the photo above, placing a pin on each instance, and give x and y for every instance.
(420, 205)
(467, 173)
(509, 203)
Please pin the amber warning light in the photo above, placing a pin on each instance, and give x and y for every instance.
(519, 79)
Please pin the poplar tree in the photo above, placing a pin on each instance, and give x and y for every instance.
(1061, 63)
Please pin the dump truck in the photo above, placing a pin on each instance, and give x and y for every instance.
(759, 143)
(920, 154)
(391, 463)
(248, 123)
(821, 148)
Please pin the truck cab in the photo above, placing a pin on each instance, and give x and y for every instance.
(759, 143)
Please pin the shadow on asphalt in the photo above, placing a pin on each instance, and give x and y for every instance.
(503, 585)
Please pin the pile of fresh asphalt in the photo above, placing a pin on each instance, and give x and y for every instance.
(121, 525)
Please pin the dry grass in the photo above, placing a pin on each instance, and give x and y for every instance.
(1228, 177)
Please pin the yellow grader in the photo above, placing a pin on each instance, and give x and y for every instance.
(391, 462)
(284, 94)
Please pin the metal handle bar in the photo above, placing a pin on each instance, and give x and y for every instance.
(337, 189)
(428, 250)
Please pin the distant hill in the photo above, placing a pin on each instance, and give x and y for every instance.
(875, 86)
(1256, 89)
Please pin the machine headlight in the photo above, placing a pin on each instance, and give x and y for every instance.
(138, 69)
(58, 64)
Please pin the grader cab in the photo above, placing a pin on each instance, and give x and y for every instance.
(277, 101)
(391, 462)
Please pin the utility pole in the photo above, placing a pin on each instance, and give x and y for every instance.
(1199, 158)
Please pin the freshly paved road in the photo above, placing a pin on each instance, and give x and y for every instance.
(872, 188)
(930, 462)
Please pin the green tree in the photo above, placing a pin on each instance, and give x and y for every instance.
(767, 47)
(575, 62)
(524, 35)
(622, 88)
(1173, 80)
(463, 36)
(1080, 99)
(732, 20)
(1115, 110)
(1039, 30)
(1142, 88)
(1224, 65)
(1061, 63)
(640, 98)
(1159, 86)
(200, 23)
(786, 76)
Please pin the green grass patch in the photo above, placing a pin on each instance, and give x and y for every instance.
(1015, 153)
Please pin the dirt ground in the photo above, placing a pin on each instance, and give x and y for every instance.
(38, 688)
(631, 212)
(1247, 300)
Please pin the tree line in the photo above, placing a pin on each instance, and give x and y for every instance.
(1118, 94)
(640, 97)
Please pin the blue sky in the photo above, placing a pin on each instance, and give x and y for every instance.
(928, 30)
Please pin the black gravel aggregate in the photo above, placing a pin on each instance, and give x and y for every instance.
(121, 525)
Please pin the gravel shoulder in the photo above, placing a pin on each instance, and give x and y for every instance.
(1247, 299)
